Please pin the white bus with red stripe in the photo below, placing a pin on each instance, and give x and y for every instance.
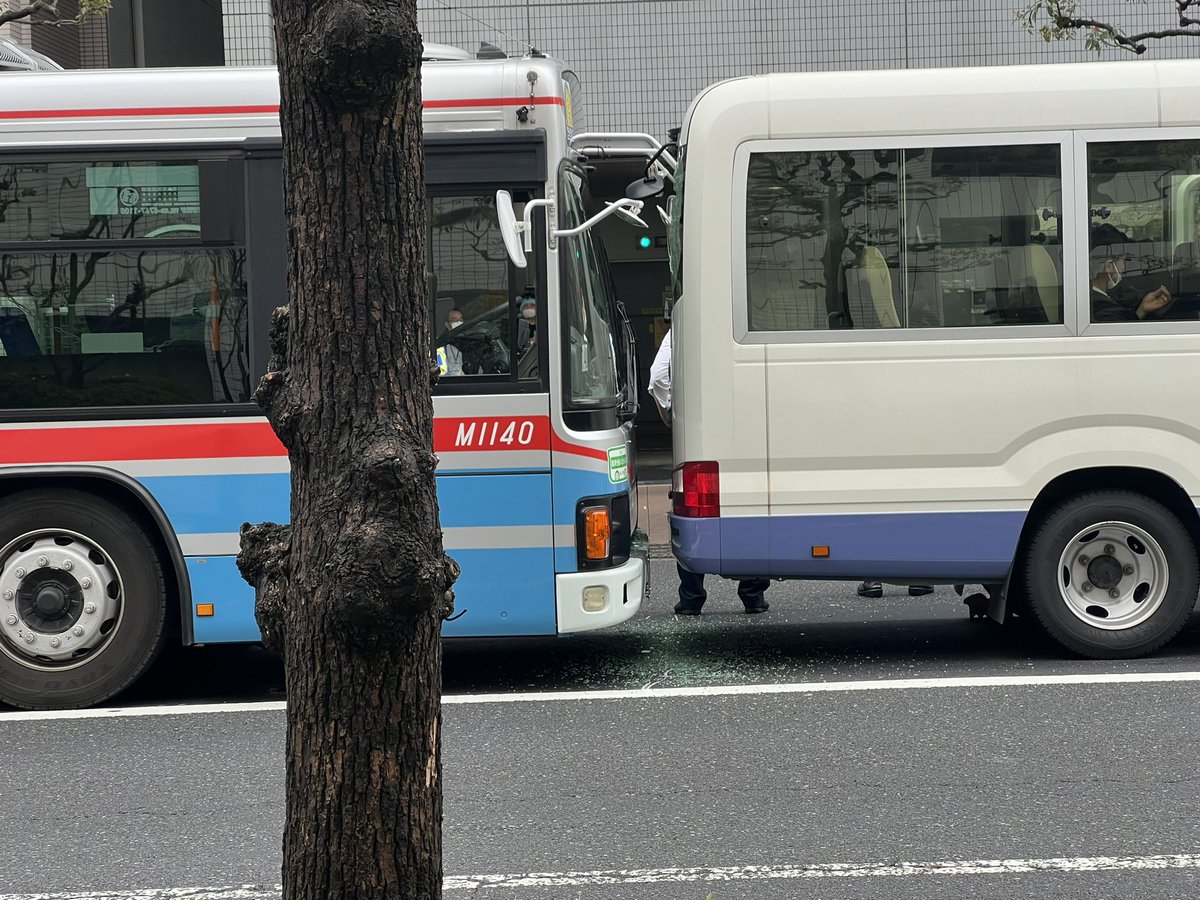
(141, 254)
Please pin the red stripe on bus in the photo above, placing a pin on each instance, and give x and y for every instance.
(117, 112)
(135, 111)
(493, 101)
(561, 446)
(219, 440)
(227, 440)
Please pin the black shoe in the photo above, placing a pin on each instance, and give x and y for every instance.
(919, 590)
(759, 607)
(870, 589)
(686, 609)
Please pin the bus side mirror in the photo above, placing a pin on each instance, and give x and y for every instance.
(644, 188)
(510, 228)
(518, 236)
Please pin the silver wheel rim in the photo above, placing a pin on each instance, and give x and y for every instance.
(60, 599)
(1113, 575)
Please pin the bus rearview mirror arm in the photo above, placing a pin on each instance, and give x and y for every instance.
(518, 236)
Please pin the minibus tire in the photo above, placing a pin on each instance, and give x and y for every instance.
(104, 580)
(1111, 574)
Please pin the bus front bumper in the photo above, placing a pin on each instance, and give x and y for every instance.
(611, 595)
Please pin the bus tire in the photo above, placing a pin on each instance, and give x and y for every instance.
(83, 606)
(1111, 575)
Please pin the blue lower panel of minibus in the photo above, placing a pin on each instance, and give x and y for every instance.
(963, 546)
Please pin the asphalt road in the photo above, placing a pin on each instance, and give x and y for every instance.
(953, 788)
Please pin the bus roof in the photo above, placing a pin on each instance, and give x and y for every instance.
(959, 100)
(128, 105)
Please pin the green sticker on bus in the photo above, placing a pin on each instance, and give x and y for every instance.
(618, 464)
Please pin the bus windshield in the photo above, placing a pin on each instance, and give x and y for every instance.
(590, 362)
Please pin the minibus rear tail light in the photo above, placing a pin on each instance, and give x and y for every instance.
(696, 490)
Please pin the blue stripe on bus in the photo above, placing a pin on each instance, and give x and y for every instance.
(501, 593)
(494, 500)
(572, 485)
(214, 504)
(216, 580)
(961, 546)
(217, 504)
(504, 593)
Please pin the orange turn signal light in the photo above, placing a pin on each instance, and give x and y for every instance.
(205, 609)
(821, 552)
(597, 529)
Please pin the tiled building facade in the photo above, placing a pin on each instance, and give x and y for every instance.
(640, 61)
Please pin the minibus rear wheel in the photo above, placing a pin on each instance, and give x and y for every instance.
(82, 599)
(1112, 574)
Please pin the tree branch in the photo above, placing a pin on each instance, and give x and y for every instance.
(49, 9)
(1062, 23)
(1132, 42)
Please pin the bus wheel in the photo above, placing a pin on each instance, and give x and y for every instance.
(82, 600)
(1112, 575)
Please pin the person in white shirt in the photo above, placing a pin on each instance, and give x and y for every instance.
(691, 585)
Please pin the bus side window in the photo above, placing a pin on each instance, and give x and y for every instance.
(903, 238)
(1142, 214)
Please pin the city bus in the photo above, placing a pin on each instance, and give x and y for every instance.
(142, 251)
(942, 327)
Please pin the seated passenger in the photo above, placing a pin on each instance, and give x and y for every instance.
(1107, 267)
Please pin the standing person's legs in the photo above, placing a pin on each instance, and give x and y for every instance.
(691, 592)
(750, 592)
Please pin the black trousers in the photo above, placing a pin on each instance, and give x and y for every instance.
(691, 589)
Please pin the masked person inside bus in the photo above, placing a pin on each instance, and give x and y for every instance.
(449, 357)
(1113, 298)
(691, 585)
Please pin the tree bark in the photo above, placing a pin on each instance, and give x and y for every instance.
(354, 590)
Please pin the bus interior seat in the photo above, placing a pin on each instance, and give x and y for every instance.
(16, 333)
(1027, 288)
(877, 278)
(1185, 269)
(1040, 271)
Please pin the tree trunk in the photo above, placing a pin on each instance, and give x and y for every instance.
(354, 591)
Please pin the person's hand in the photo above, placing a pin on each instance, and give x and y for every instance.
(1154, 303)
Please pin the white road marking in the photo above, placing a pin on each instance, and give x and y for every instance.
(828, 870)
(649, 693)
(1071, 865)
(245, 892)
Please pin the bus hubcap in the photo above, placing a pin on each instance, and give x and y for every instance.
(1113, 575)
(60, 598)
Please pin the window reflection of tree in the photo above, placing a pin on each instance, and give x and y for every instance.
(227, 330)
(799, 197)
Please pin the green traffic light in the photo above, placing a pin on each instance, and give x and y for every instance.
(645, 243)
